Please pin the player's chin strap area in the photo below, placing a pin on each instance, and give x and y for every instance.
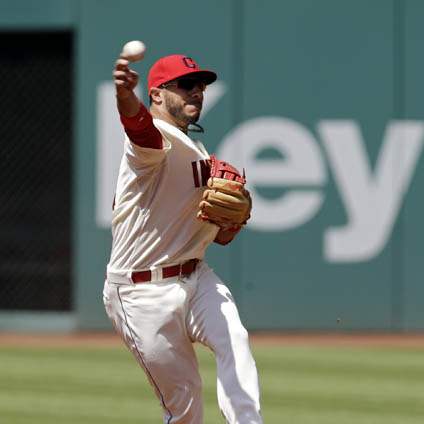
(195, 128)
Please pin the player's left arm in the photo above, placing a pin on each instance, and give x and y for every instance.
(226, 236)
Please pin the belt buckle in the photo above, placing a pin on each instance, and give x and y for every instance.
(156, 274)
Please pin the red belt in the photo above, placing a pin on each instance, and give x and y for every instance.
(184, 269)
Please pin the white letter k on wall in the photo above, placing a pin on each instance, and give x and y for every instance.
(372, 202)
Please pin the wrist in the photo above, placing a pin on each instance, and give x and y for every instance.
(121, 95)
(129, 106)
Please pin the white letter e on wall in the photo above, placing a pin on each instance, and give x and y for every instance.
(372, 202)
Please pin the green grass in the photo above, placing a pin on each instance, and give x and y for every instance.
(300, 385)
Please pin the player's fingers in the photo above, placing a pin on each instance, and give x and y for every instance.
(120, 74)
(126, 77)
(133, 74)
(122, 84)
(121, 64)
(132, 80)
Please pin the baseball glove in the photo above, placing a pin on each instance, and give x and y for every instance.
(225, 202)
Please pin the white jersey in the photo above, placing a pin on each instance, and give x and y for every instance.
(154, 218)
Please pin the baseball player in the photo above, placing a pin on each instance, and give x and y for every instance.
(173, 200)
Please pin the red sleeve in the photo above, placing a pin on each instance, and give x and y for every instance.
(141, 131)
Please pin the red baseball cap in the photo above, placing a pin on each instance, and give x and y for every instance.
(175, 66)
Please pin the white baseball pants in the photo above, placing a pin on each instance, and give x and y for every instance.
(160, 320)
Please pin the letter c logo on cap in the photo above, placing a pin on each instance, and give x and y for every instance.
(189, 62)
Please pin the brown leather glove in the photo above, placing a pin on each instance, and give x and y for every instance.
(225, 202)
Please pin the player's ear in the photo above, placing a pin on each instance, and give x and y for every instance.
(156, 95)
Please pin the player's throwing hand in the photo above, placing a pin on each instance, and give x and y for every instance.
(125, 78)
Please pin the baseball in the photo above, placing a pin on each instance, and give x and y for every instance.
(134, 51)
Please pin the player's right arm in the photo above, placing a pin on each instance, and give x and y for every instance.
(135, 117)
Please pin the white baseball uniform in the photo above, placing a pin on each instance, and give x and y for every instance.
(154, 226)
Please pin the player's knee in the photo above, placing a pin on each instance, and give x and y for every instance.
(234, 335)
(186, 390)
(240, 335)
(184, 397)
(196, 387)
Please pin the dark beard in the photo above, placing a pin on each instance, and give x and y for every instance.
(177, 112)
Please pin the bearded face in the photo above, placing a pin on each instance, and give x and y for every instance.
(184, 108)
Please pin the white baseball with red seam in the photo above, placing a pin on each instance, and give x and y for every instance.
(133, 50)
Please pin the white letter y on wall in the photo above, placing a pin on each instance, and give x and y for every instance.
(372, 201)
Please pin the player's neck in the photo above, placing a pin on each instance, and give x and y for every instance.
(167, 117)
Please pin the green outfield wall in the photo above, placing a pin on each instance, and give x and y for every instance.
(320, 100)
